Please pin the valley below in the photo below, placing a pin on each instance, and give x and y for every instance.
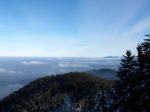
(16, 72)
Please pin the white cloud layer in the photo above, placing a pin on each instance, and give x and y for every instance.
(2, 70)
(33, 63)
(72, 65)
(8, 71)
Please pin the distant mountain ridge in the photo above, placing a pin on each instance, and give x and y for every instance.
(112, 57)
(109, 74)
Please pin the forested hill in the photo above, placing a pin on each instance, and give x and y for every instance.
(109, 74)
(48, 93)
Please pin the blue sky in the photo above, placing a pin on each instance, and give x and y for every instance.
(72, 28)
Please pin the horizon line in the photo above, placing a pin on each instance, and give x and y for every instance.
(59, 56)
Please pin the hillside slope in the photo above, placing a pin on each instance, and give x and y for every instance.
(109, 74)
(48, 93)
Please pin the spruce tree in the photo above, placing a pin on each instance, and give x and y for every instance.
(144, 88)
(132, 91)
(103, 103)
(123, 90)
(141, 61)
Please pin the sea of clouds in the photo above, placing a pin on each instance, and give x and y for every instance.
(15, 72)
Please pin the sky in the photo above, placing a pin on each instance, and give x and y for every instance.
(72, 28)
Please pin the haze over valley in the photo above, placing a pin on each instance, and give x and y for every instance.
(74, 56)
(15, 72)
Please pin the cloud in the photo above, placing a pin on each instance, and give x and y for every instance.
(72, 65)
(2, 70)
(33, 63)
(12, 72)
(139, 27)
(7, 71)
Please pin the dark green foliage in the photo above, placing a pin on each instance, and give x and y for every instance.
(144, 84)
(124, 87)
(45, 94)
(102, 102)
(126, 69)
(132, 93)
(141, 61)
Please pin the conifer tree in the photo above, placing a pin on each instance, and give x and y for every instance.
(146, 49)
(103, 103)
(141, 62)
(123, 90)
(144, 88)
(132, 91)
